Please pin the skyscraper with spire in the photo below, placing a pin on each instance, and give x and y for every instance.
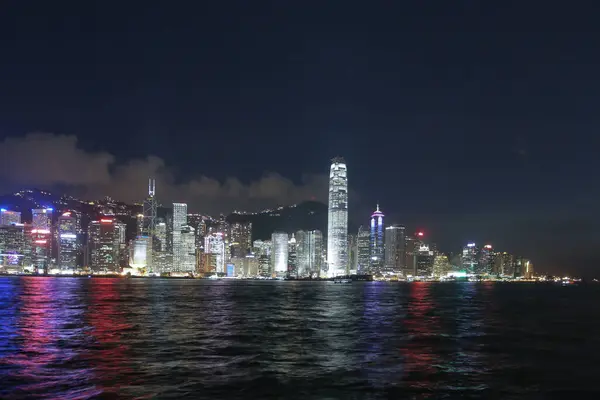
(337, 224)
(377, 245)
(149, 224)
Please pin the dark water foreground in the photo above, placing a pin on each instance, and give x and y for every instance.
(102, 338)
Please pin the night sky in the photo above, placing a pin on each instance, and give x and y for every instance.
(473, 120)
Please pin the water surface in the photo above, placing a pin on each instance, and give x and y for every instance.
(75, 338)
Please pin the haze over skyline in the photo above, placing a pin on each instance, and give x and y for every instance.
(472, 121)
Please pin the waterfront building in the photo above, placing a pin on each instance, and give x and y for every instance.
(105, 238)
(240, 238)
(485, 262)
(159, 242)
(363, 249)
(376, 242)
(41, 247)
(214, 244)
(292, 256)
(352, 255)
(179, 221)
(469, 258)
(140, 250)
(424, 261)
(188, 251)
(506, 265)
(394, 248)
(14, 248)
(337, 221)
(411, 250)
(262, 251)
(441, 265)
(68, 243)
(280, 253)
(309, 253)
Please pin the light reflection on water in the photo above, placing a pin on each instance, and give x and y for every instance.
(69, 338)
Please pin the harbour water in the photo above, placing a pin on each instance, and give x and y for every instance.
(78, 338)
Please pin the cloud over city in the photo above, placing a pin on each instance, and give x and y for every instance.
(50, 161)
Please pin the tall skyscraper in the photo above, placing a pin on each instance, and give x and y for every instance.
(469, 258)
(424, 261)
(309, 253)
(363, 249)
(14, 247)
(150, 210)
(214, 249)
(337, 222)
(485, 261)
(280, 253)
(68, 247)
(352, 255)
(377, 249)
(179, 221)
(441, 265)
(104, 245)
(394, 248)
(263, 250)
(42, 218)
(292, 256)
(188, 245)
(9, 217)
(240, 239)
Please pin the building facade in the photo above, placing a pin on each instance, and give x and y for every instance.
(280, 253)
(68, 243)
(179, 221)
(309, 253)
(104, 245)
(363, 250)
(394, 248)
(337, 219)
(376, 241)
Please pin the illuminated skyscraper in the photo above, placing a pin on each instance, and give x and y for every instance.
(424, 260)
(394, 248)
(352, 255)
(179, 221)
(41, 218)
(149, 210)
(280, 253)
(68, 248)
(9, 217)
(469, 258)
(292, 256)
(376, 241)
(215, 245)
(337, 223)
(159, 243)
(441, 265)
(104, 245)
(263, 250)
(309, 253)
(363, 250)
(240, 238)
(140, 252)
(485, 261)
(188, 246)
(14, 248)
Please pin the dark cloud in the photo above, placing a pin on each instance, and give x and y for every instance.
(50, 161)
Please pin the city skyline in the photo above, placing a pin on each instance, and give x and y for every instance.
(453, 124)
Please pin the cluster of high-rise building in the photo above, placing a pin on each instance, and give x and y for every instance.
(192, 244)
